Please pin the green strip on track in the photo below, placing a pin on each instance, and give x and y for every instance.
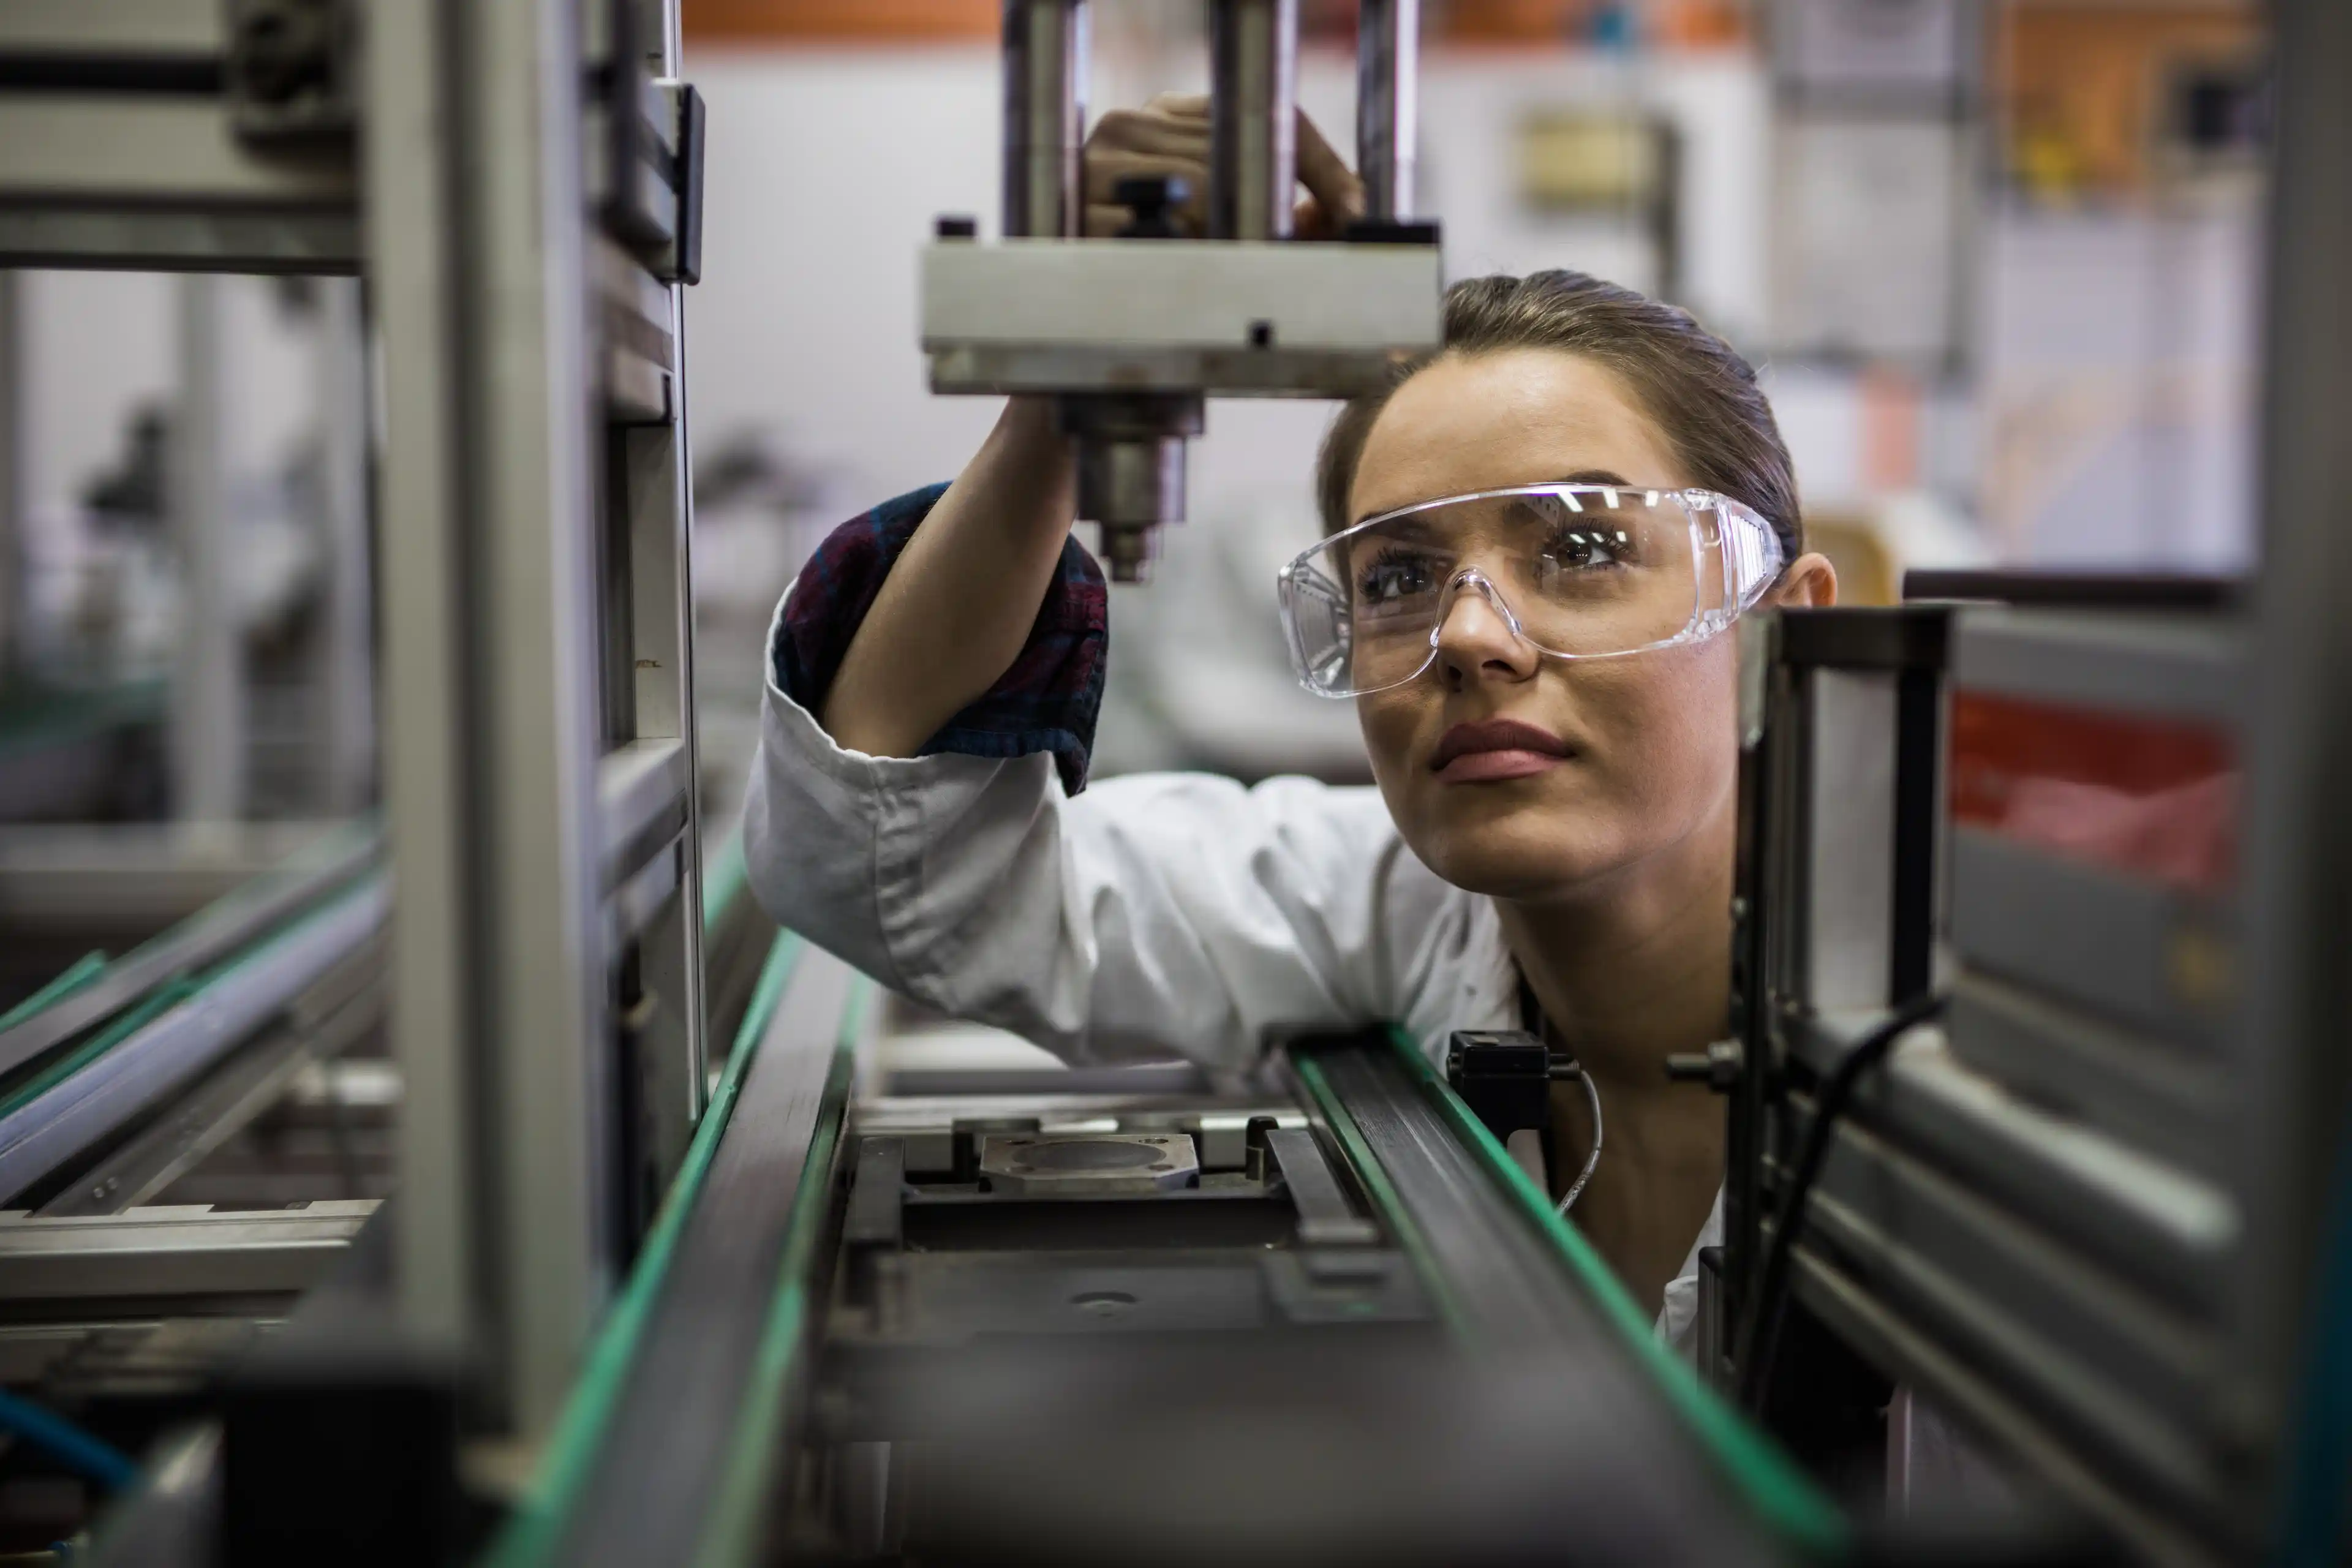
(726, 879)
(533, 1530)
(1369, 1171)
(78, 973)
(1781, 1495)
(731, 1539)
(164, 997)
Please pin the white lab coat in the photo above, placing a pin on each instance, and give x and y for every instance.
(1154, 914)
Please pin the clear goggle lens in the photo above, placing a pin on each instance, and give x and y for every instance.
(1578, 571)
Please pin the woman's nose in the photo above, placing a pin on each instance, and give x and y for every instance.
(1476, 639)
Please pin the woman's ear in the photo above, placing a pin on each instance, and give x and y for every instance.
(1809, 584)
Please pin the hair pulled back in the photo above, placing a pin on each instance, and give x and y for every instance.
(1701, 396)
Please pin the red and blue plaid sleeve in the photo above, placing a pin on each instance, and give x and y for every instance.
(1046, 702)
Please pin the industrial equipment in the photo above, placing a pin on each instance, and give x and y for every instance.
(2093, 1215)
(1129, 335)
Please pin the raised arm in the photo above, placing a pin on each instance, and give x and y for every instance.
(958, 606)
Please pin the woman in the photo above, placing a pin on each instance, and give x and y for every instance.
(1535, 538)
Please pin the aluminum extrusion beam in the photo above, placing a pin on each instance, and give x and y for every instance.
(175, 1251)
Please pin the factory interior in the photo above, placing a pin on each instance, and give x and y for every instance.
(452, 1108)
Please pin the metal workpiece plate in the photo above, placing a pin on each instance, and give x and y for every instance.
(1088, 1164)
(1180, 294)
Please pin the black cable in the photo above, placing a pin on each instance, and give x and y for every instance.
(1760, 1324)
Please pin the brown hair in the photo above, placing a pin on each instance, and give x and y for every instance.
(1701, 394)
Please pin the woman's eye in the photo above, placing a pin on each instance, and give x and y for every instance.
(1584, 549)
(1386, 582)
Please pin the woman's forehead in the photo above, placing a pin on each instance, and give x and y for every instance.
(1517, 417)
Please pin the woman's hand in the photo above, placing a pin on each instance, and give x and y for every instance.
(1169, 136)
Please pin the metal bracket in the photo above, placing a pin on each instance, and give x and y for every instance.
(291, 72)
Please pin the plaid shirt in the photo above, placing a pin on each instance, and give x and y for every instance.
(1046, 702)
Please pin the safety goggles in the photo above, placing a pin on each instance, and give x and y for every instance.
(1578, 571)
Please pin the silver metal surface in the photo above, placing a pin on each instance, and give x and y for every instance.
(1374, 303)
(105, 148)
(1044, 118)
(138, 239)
(1087, 1164)
(343, 774)
(1253, 118)
(501, 317)
(1228, 373)
(2297, 991)
(208, 738)
(1388, 92)
(166, 28)
(1131, 459)
(176, 1251)
(1325, 1217)
(15, 490)
(641, 790)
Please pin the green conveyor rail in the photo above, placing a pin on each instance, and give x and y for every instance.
(97, 968)
(724, 879)
(1780, 1495)
(64, 983)
(731, 1539)
(46, 1073)
(531, 1530)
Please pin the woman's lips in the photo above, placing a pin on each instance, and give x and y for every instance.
(1495, 749)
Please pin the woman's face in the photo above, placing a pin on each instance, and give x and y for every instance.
(1628, 757)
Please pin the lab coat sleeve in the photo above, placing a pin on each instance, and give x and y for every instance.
(1154, 915)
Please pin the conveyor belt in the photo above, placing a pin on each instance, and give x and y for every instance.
(660, 1449)
(1517, 1276)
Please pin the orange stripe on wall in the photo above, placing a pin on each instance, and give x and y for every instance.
(793, 21)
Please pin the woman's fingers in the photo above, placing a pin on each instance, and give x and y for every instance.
(1338, 195)
(1151, 129)
(1170, 137)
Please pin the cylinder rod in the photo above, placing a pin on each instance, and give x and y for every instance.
(1388, 104)
(1044, 118)
(1254, 118)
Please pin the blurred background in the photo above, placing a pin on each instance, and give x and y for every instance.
(1998, 260)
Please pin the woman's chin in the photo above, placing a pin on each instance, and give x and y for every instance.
(1529, 857)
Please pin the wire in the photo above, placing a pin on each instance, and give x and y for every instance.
(1760, 1331)
(87, 1454)
(1592, 1098)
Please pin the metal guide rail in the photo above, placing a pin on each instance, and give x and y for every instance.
(219, 1011)
(1329, 1320)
